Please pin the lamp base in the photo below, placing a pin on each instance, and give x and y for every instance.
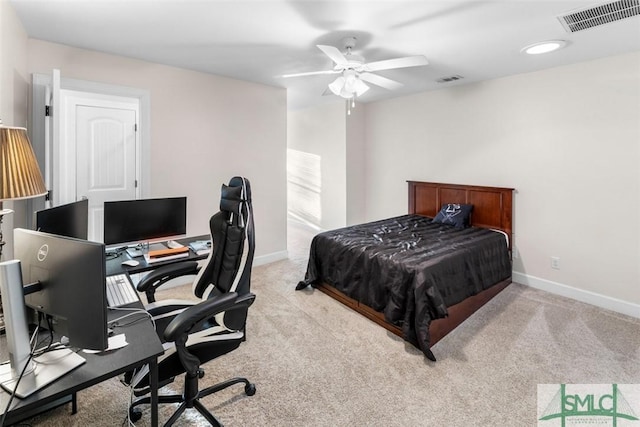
(3, 212)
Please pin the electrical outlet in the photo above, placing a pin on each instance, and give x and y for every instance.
(555, 263)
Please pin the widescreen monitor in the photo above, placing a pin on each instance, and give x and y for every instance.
(72, 274)
(133, 221)
(71, 220)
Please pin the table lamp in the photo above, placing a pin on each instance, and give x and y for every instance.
(20, 176)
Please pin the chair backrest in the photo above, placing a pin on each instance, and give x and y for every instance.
(228, 268)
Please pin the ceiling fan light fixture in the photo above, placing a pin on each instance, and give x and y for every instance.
(346, 94)
(350, 80)
(348, 85)
(337, 86)
(543, 47)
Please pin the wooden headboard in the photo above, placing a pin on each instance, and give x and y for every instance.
(492, 206)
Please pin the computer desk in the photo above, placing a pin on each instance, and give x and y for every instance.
(114, 264)
(144, 348)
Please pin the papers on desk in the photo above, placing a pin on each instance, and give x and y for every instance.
(166, 254)
(201, 247)
(151, 260)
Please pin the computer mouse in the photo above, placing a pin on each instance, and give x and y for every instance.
(130, 263)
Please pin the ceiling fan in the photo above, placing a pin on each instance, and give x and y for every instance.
(354, 71)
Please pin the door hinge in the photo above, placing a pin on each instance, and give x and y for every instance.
(135, 183)
(135, 127)
(48, 196)
(47, 111)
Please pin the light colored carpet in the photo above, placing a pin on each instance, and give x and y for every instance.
(317, 363)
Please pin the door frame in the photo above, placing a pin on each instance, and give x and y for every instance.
(37, 129)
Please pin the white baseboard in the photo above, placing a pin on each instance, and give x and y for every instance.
(603, 301)
(269, 258)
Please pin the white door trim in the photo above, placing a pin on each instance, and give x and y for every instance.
(144, 123)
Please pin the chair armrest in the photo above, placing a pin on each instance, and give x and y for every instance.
(161, 275)
(184, 322)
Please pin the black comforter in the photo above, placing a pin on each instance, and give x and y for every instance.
(408, 268)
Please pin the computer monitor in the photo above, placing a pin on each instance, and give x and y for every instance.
(69, 220)
(133, 221)
(68, 276)
(72, 275)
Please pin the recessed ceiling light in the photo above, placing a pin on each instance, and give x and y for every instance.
(544, 47)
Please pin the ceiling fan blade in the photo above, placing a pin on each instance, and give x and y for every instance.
(408, 61)
(380, 81)
(310, 73)
(333, 53)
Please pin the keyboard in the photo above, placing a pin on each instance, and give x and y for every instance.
(120, 291)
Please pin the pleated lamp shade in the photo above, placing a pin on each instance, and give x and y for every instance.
(20, 176)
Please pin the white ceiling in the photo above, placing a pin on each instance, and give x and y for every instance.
(259, 41)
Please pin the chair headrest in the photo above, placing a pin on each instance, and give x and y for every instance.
(230, 199)
(234, 194)
(239, 181)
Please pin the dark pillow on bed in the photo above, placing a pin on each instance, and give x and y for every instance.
(454, 214)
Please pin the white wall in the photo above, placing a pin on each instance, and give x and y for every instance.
(13, 68)
(204, 129)
(356, 148)
(14, 90)
(567, 139)
(319, 133)
(337, 140)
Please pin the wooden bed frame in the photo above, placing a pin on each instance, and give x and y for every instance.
(492, 208)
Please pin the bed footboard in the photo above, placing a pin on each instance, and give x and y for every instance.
(439, 328)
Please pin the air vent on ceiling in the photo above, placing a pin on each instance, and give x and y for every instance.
(599, 15)
(449, 79)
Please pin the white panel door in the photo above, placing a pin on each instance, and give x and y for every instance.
(105, 159)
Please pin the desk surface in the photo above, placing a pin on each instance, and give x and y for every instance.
(144, 346)
(114, 265)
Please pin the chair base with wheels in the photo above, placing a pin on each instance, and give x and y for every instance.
(191, 398)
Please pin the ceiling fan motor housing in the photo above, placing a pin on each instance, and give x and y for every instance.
(354, 62)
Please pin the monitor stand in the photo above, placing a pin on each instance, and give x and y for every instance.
(144, 247)
(42, 371)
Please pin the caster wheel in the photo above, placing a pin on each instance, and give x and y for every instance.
(135, 414)
(250, 389)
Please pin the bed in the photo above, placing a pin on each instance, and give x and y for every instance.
(419, 278)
